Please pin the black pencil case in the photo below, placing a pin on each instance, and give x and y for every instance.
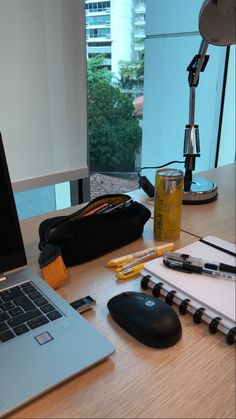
(105, 223)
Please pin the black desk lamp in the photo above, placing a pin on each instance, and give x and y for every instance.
(217, 27)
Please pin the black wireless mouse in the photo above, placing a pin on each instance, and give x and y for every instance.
(148, 319)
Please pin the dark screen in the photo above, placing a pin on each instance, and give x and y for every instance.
(12, 253)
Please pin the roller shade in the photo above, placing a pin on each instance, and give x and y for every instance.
(43, 99)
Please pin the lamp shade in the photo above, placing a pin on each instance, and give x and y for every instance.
(217, 22)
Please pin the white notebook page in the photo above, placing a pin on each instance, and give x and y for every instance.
(216, 294)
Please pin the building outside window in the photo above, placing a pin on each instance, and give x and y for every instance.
(115, 151)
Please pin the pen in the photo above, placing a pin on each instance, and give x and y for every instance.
(130, 272)
(213, 265)
(186, 267)
(96, 210)
(127, 258)
(135, 262)
(115, 207)
(156, 252)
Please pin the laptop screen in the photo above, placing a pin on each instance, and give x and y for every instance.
(12, 253)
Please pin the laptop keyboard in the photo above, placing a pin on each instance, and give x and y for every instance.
(23, 308)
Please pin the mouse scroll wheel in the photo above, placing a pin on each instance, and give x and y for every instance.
(135, 295)
(150, 303)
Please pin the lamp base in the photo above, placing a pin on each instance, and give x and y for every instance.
(202, 191)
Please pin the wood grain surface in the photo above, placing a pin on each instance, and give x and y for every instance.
(193, 379)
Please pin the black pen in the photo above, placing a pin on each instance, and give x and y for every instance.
(188, 268)
(192, 260)
(118, 206)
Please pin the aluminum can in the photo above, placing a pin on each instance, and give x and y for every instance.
(168, 204)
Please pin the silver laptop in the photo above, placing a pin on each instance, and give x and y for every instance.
(43, 340)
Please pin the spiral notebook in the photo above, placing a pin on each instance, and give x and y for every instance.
(211, 299)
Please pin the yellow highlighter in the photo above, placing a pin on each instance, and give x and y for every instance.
(134, 267)
(152, 254)
(113, 263)
(130, 272)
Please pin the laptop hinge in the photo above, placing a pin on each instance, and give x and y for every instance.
(3, 278)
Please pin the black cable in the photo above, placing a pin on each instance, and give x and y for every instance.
(145, 184)
(158, 167)
(222, 104)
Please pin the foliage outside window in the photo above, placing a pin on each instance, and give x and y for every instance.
(132, 74)
(114, 133)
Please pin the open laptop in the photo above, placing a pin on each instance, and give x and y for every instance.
(43, 340)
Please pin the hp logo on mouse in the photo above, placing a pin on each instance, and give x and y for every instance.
(150, 303)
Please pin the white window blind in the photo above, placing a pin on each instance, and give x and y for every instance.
(43, 99)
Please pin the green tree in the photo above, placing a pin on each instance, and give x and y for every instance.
(114, 133)
(132, 73)
(97, 72)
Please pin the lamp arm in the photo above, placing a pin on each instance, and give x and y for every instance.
(198, 63)
(191, 138)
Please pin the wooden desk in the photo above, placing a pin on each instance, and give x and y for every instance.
(193, 379)
(218, 217)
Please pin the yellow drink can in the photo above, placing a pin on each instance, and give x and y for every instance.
(168, 204)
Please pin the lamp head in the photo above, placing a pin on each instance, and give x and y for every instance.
(217, 21)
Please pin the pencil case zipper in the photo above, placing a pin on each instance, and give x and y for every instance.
(78, 214)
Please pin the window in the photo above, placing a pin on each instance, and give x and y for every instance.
(98, 44)
(98, 33)
(227, 137)
(115, 81)
(122, 35)
(105, 55)
(98, 20)
(172, 40)
(97, 6)
(42, 200)
(164, 35)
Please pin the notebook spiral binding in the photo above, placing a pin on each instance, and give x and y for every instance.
(213, 326)
(170, 297)
(185, 306)
(197, 317)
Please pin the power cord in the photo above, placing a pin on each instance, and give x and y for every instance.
(145, 184)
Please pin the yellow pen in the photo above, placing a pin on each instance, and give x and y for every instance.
(154, 253)
(113, 263)
(126, 258)
(130, 272)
